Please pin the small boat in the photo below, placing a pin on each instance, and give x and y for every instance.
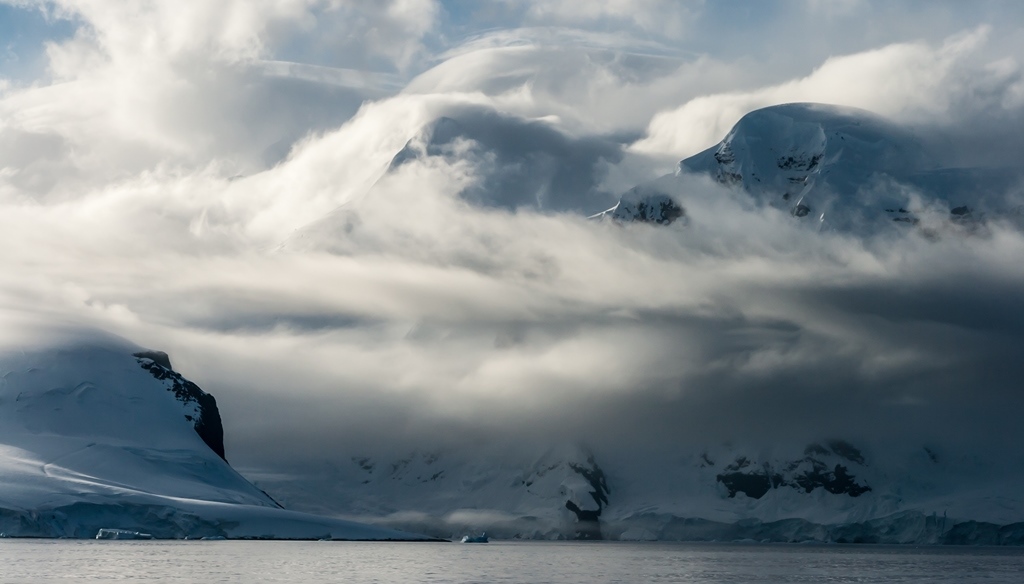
(482, 538)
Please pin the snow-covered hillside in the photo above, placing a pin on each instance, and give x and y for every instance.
(96, 433)
(561, 492)
(828, 490)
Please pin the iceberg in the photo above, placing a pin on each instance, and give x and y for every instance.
(108, 533)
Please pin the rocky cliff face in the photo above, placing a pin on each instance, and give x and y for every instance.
(588, 519)
(656, 202)
(640, 207)
(199, 407)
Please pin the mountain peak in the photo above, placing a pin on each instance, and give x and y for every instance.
(836, 168)
(816, 161)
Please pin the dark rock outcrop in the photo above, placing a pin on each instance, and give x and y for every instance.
(588, 520)
(643, 205)
(804, 474)
(754, 484)
(199, 407)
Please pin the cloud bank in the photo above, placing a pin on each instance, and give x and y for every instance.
(220, 182)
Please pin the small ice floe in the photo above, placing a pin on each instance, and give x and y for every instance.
(106, 533)
(482, 538)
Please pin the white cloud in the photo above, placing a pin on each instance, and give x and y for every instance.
(665, 17)
(912, 82)
(185, 85)
(121, 210)
(591, 85)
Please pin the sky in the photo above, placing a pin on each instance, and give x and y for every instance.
(217, 180)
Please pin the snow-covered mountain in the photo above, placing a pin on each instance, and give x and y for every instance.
(832, 168)
(96, 433)
(827, 490)
(816, 161)
(654, 202)
(470, 157)
(836, 168)
(516, 163)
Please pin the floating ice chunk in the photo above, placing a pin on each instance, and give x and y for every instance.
(107, 533)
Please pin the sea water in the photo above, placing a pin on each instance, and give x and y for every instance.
(30, 561)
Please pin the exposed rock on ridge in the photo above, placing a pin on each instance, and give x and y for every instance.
(814, 470)
(199, 407)
(589, 526)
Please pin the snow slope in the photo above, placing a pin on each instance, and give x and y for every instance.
(91, 437)
(560, 492)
